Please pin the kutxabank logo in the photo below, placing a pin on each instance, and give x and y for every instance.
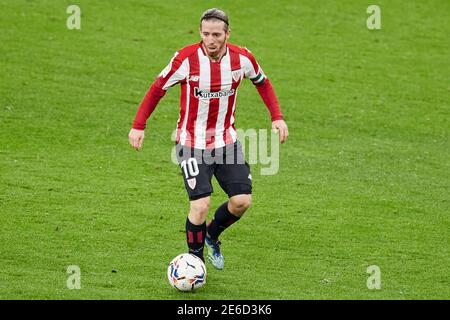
(201, 94)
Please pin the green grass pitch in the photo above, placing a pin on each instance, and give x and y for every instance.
(363, 178)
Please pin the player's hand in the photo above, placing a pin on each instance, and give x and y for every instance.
(136, 138)
(281, 127)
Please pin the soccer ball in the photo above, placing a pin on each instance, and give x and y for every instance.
(186, 272)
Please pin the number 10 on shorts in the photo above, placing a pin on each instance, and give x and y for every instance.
(190, 167)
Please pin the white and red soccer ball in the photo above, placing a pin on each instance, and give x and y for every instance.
(186, 272)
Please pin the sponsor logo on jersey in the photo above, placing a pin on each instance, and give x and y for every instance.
(201, 94)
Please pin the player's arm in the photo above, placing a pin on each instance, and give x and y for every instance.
(171, 75)
(254, 72)
(269, 97)
(148, 104)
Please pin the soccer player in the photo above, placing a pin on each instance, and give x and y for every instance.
(209, 73)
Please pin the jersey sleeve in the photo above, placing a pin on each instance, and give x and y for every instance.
(254, 72)
(252, 69)
(173, 73)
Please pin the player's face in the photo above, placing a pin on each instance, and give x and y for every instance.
(214, 37)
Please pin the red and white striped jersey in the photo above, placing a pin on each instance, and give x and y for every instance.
(208, 93)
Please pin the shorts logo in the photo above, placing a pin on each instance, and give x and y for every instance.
(250, 176)
(236, 75)
(191, 183)
(200, 94)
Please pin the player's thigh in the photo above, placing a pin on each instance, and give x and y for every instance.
(196, 172)
(234, 174)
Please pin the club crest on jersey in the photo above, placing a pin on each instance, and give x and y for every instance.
(236, 75)
(201, 94)
(192, 183)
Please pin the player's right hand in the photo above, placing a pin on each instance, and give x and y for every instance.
(136, 137)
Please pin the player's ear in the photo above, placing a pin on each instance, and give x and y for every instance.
(227, 34)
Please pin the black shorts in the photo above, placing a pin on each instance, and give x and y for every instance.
(227, 164)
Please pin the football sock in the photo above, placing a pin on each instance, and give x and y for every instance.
(223, 218)
(195, 236)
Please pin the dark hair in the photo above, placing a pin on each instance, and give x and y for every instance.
(215, 13)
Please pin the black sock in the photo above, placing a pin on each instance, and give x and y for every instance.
(223, 218)
(195, 236)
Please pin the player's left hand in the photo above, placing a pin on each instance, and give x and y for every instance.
(136, 138)
(281, 127)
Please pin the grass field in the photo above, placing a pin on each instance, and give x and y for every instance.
(363, 179)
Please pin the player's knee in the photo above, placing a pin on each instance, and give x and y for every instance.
(240, 203)
(199, 210)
